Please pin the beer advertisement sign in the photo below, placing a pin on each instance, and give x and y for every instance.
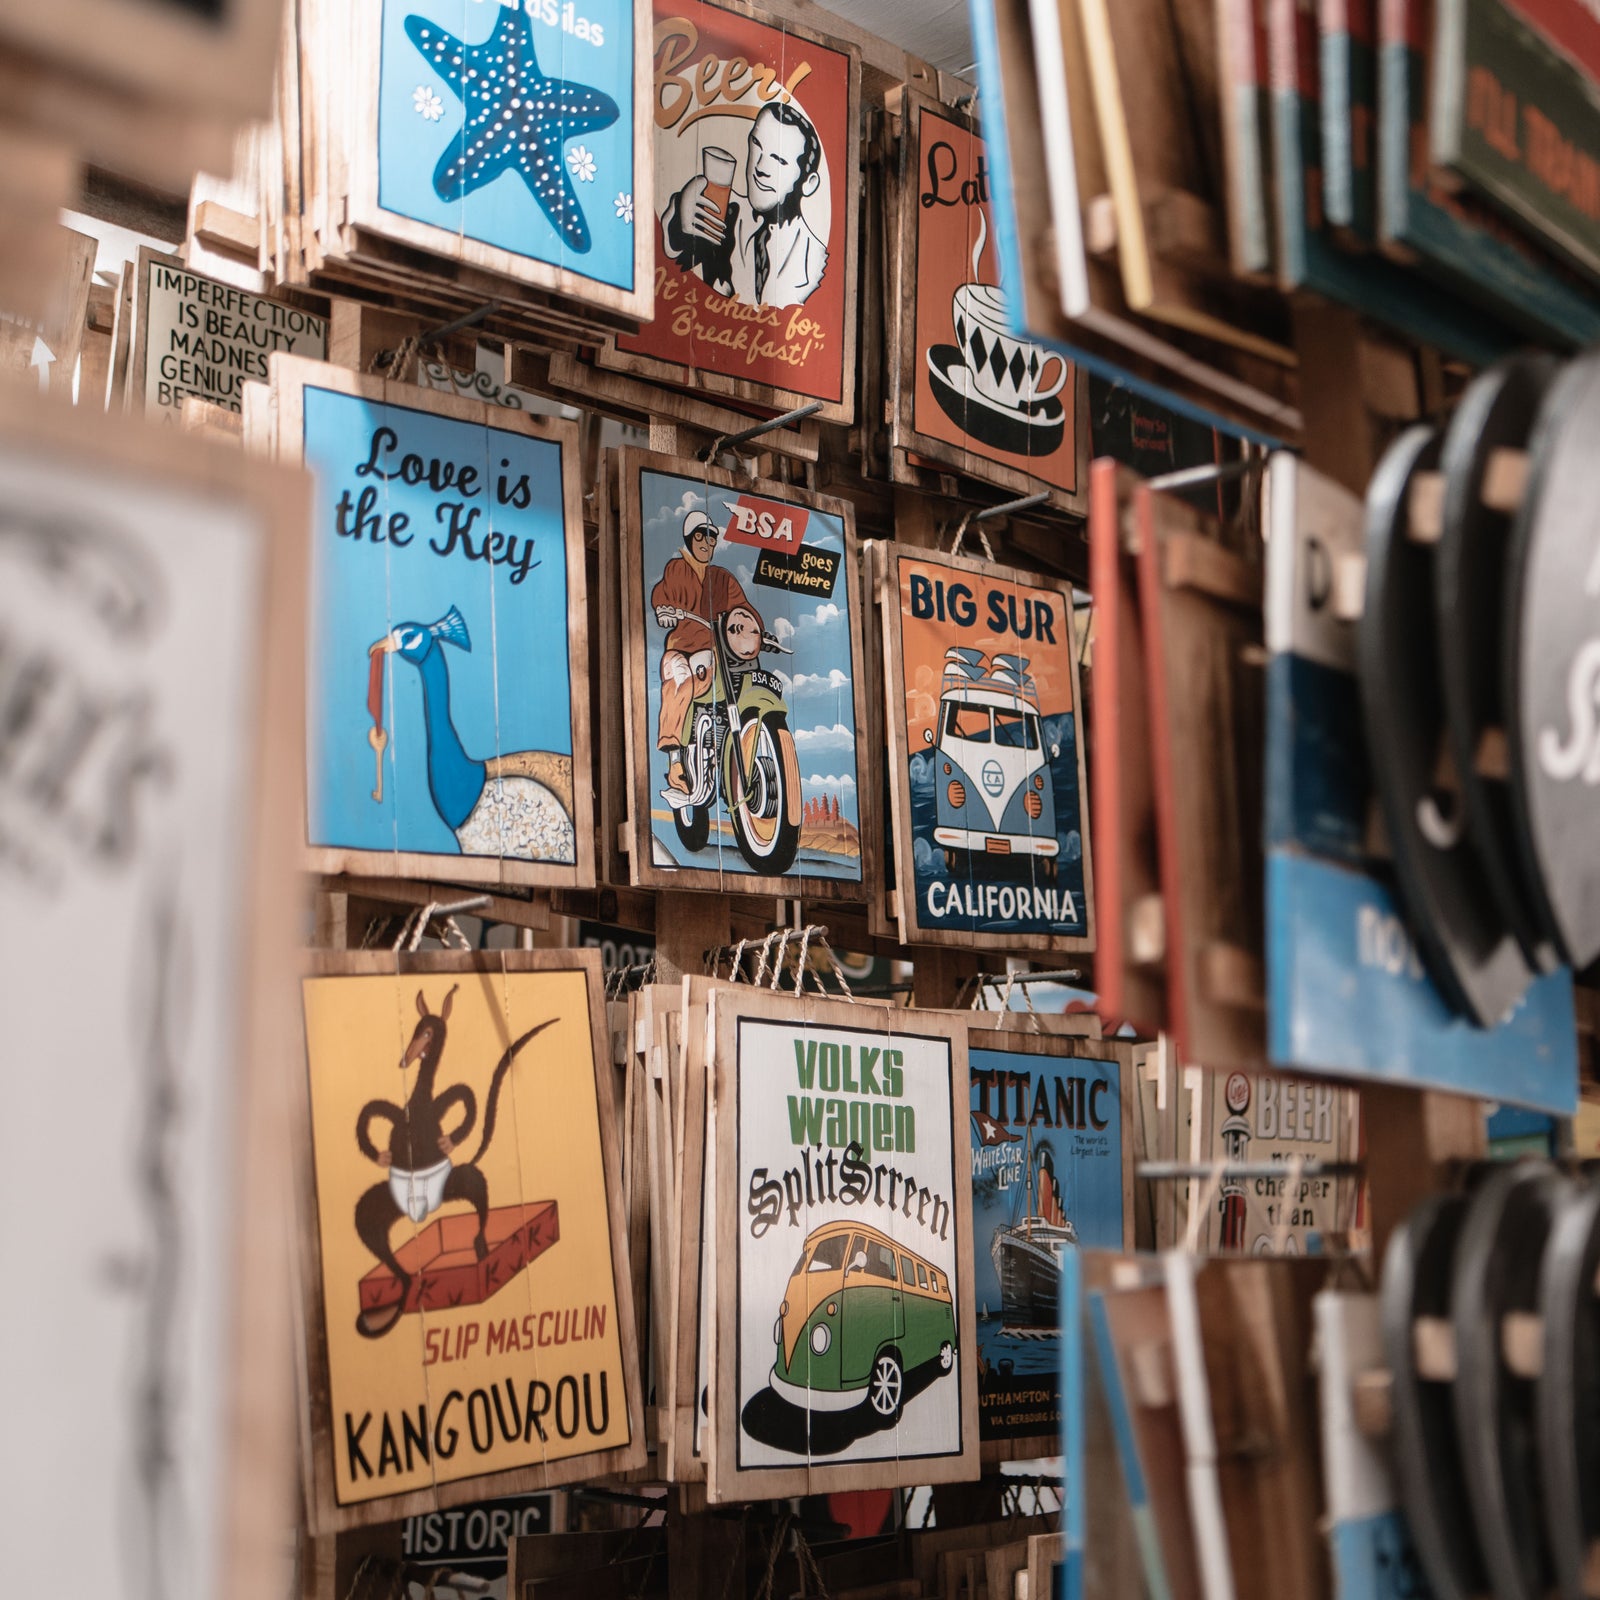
(756, 172)
(471, 1308)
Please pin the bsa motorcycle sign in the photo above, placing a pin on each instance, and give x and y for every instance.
(986, 747)
(844, 1313)
(469, 1308)
(744, 746)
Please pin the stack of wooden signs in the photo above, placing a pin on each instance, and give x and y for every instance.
(1414, 869)
(855, 1217)
(393, 124)
(1159, 172)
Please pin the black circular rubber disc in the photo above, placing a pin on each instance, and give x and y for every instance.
(1498, 1256)
(1428, 1475)
(1569, 1388)
(1463, 939)
(1551, 662)
(1497, 412)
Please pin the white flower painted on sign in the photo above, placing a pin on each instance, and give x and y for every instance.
(624, 205)
(428, 105)
(580, 162)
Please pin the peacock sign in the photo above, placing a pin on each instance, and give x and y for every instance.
(447, 634)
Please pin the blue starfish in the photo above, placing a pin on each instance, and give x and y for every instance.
(518, 120)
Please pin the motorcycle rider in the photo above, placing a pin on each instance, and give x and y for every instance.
(691, 582)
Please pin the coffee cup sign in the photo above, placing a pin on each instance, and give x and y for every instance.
(971, 392)
(1008, 370)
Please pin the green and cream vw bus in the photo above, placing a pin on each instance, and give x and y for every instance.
(861, 1312)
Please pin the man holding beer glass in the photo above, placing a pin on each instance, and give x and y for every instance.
(753, 244)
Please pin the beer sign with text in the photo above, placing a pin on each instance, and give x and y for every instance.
(756, 175)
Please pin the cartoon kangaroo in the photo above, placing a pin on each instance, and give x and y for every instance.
(421, 1174)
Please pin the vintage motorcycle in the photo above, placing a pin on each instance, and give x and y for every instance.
(738, 728)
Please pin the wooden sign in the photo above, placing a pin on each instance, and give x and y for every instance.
(509, 138)
(1339, 952)
(193, 336)
(742, 636)
(1367, 1537)
(986, 755)
(844, 1338)
(449, 730)
(1200, 602)
(757, 172)
(150, 603)
(969, 393)
(1051, 1127)
(1513, 111)
(1243, 1118)
(469, 1321)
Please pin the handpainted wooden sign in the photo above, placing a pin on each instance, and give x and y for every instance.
(1339, 952)
(193, 336)
(448, 725)
(510, 137)
(757, 171)
(970, 393)
(469, 1318)
(986, 755)
(1050, 1125)
(1514, 110)
(742, 638)
(844, 1341)
(1247, 1118)
(151, 595)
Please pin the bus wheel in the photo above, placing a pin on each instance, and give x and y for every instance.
(886, 1387)
(947, 1356)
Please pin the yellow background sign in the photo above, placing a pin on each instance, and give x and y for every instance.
(472, 1349)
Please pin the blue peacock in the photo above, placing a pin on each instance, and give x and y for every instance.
(517, 805)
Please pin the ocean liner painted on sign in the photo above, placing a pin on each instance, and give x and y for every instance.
(1027, 1254)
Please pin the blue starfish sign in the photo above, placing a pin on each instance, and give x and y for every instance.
(518, 120)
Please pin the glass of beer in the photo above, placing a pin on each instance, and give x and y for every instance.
(717, 167)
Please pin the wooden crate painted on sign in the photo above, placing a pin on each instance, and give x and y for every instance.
(194, 336)
(844, 1339)
(968, 392)
(986, 755)
(152, 593)
(1050, 1131)
(448, 728)
(510, 138)
(469, 1322)
(755, 229)
(741, 610)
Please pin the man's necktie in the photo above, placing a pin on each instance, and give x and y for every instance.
(763, 265)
